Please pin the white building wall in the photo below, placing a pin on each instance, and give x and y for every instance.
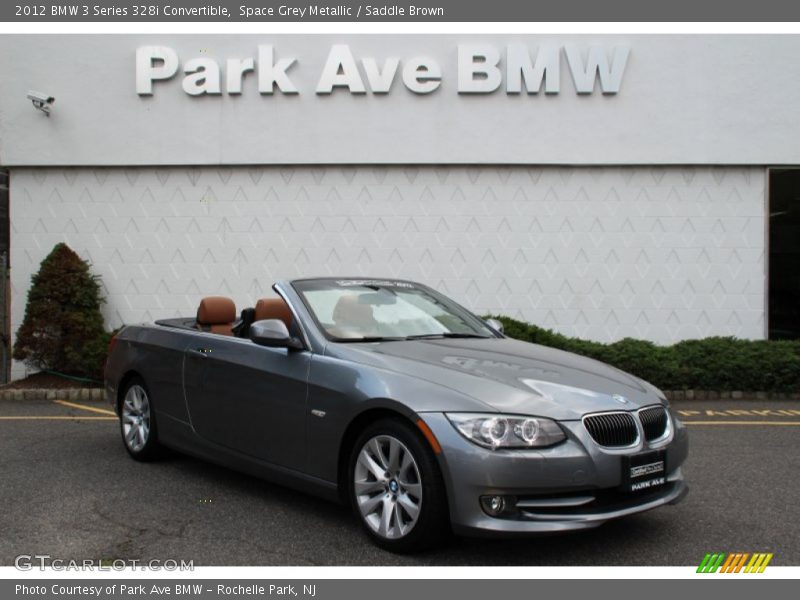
(683, 99)
(662, 253)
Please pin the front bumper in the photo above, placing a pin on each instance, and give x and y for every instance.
(571, 486)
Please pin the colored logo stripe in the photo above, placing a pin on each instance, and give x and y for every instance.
(734, 562)
(758, 563)
(711, 563)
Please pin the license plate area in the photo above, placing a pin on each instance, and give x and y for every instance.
(644, 472)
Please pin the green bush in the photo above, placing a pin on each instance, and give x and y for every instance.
(715, 363)
(63, 329)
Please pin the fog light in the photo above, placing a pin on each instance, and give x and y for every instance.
(494, 505)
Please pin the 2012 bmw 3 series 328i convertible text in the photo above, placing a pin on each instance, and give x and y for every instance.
(389, 396)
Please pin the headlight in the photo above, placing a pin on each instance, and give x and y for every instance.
(507, 431)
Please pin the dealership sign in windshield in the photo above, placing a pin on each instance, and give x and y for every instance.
(480, 69)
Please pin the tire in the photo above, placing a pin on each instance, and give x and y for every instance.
(137, 422)
(406, 511)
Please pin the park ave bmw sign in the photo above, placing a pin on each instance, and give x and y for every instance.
(481, 69)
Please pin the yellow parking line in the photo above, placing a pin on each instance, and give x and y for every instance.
(55, 418)
(794, 423)
(102, 411)
(741, 412)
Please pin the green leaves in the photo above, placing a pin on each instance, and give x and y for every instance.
(715, 363)
(63, 329)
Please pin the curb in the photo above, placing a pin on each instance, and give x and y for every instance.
(70, 394)
(98, 395)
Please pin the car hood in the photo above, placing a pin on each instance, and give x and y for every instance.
(509, 375)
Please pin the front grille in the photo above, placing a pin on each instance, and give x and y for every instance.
(654, 422)
(615, 429)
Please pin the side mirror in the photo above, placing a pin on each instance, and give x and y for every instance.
(495, 324)
(272, 333)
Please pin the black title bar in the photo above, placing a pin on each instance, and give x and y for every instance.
(401, 10)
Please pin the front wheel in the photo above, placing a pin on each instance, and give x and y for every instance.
(396, 488)
(138, 422)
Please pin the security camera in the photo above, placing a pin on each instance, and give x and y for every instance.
(41, 101)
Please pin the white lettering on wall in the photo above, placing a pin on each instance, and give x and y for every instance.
(481, 69)
(422, 75)
(271, 73)
(477, 69)
(584, 74)
(154, 63)
(236, 70)
(519, 69)
(202, 77)
(380, 80)
(340, 70)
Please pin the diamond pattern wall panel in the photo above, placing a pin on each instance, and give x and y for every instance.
(603, 253)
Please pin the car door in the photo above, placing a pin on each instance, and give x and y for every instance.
(248, 398)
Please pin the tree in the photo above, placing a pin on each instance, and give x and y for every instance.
(63, 328)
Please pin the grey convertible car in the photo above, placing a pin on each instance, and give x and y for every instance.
(389, 396)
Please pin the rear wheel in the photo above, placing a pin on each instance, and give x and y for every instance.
(396, 488)
(138, 422)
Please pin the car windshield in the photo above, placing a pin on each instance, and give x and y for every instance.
(373, 310)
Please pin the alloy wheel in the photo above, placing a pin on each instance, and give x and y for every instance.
(136, 418)
(388, 487)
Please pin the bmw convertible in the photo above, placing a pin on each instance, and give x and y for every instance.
(389, 396)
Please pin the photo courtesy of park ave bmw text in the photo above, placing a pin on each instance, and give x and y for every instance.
(492, 286)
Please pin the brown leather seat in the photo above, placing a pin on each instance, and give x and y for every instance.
(216, 314)
(274, 308)
(353, 318)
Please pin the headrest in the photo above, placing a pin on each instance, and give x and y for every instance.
(349, 310)
(274, 308)
(216, 310)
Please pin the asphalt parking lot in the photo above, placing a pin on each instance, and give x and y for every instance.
(68, 489)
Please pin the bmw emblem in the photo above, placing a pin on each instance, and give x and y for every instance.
(620, 399)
